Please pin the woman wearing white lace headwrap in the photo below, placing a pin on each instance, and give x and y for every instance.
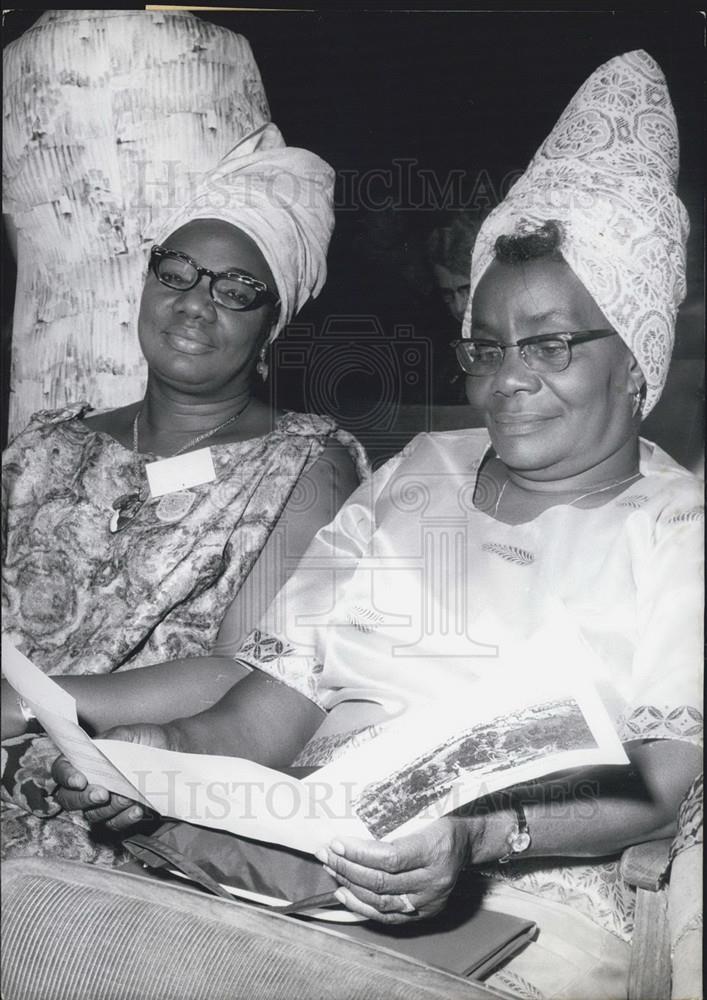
(607, 173)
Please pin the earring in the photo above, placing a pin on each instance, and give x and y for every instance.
(262, 367)
(638, 396)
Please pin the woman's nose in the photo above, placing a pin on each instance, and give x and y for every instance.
(514, 375)
(197, 302)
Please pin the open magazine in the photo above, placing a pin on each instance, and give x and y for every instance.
(423, 764)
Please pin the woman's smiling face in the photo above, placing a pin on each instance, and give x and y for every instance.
(188, 340)
(550, 426)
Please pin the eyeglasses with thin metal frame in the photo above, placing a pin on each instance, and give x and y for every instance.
(544, 353)
(236, 290)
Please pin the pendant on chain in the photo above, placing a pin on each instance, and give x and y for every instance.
(125, 510)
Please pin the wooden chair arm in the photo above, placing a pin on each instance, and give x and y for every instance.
(645, 865)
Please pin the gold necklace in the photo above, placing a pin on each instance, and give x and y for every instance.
(589, 493)
(127, 506)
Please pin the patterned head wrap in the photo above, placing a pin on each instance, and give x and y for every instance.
(282, 198)
(607, 174)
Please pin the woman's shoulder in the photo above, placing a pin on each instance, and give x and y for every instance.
(337, 445)
(428, 459)
(43, 422)
(671, 484)
(670, 496)
(306, 424)
(460, 449)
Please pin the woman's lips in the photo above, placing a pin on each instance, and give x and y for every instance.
(185, 343)
(520, 423)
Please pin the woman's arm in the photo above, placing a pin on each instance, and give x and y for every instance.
(156, 693)
(319, 494)
(593, 814)
(261, 720)
(598, 812)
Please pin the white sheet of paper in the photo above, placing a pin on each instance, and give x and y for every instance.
(33, 685)
(544, 676)
(84, 753)
(224, 793)
(228, 793)
(245, 798)
(169, 475)
(56, 710)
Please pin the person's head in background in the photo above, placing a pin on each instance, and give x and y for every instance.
(449, 252)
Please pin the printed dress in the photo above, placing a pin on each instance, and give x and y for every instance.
(80, 600)
(413, 590)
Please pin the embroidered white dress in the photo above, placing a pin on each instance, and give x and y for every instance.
(413, 590)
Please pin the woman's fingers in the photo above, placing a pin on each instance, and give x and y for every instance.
(401, 880)
(115, 806)
(401, 855)
(66, 775)
(125, 819)
(87, 798)
(396, 914)
(383, 889)
(74, 793)
(98, 805)
(377, 880)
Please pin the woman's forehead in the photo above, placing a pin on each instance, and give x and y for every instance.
(219, 246)
(535, 289)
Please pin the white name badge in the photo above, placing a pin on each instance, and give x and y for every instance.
(169, 475)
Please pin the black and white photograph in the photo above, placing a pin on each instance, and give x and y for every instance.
(353, 449)
(497, 745)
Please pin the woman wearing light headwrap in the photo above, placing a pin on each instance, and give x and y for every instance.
(560, 521)
(106, 572)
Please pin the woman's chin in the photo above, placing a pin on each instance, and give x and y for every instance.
(522, 453)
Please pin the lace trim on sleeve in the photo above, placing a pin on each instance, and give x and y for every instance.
(279, 658)
(650, 722)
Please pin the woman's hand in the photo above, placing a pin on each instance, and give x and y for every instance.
(401, 880)
(98, 804)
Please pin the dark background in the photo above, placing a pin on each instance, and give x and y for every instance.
(472, 92)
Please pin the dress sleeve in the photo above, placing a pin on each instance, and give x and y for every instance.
(291, 638)
(667, 687)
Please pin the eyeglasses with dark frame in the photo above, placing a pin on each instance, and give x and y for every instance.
(235, 290)
(544, 353)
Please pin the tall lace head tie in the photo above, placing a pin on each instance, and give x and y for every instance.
(607, 174)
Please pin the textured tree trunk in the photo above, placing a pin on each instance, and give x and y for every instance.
(109, 118)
